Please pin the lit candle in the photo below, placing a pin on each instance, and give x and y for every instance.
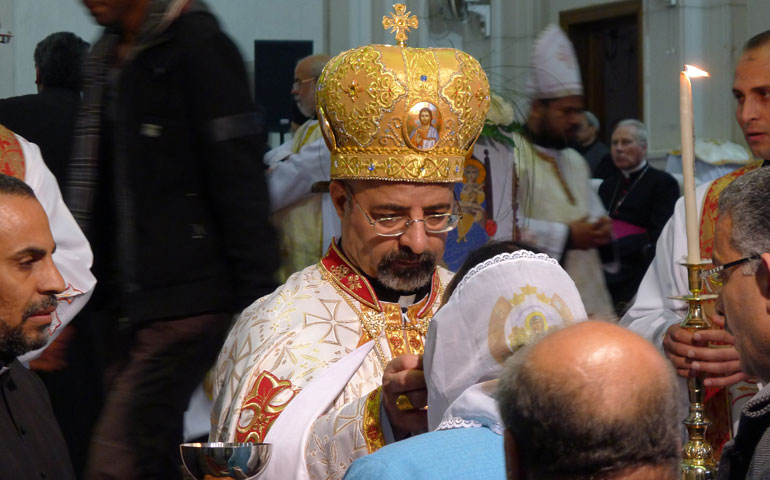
(688, 160)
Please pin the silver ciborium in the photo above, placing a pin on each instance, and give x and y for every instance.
(235, 461)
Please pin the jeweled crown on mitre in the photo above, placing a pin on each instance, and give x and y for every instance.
(399, 113)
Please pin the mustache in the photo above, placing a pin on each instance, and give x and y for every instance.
(48, 302)
(410, 256)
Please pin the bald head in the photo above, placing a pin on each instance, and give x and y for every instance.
(603, 355)
(591, 399)
(306, 75)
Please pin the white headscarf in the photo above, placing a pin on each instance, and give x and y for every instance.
(555, 72)
(498, 306)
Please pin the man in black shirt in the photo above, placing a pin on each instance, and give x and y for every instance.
(47, 118)
(33, 447)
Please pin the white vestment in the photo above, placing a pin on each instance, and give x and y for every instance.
(291, 174)
(654, 310)
(283, 341)
(545, 207)
(73, 256)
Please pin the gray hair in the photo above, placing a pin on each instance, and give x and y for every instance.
(642, 134)
(316, 63)
(747, 201)
(591, 119)
(560, 439)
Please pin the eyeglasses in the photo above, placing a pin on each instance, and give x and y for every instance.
(297, 83)
(717, 277)
(395, 226)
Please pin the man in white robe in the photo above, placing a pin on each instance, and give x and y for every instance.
(305, 221)
(22, 159)
(328, 368)
(655, 314)
(558, 210)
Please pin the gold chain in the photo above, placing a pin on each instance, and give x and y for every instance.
(368, 321)
(375, 323)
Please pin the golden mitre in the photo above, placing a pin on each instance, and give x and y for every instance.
(399, 113)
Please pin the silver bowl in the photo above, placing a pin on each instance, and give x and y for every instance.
(236, 461)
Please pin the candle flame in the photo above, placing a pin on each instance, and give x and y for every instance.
(693, 72)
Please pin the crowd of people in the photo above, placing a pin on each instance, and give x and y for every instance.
(309, 289)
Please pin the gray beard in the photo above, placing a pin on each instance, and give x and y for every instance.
(406, 281)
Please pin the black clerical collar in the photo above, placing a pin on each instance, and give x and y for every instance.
(386, 294)
(636, 171)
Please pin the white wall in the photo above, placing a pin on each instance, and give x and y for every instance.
(30, 21)
(705, 32)
(244, 20)
(7, 68)
(249, 20)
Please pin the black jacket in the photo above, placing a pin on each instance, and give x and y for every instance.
(648, 204)
(46, 119)
(33, 446)
(180, 222)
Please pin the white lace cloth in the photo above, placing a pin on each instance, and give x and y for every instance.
(498, 306)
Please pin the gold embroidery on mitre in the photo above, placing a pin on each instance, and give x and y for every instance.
(422, 71)
(369, 101)
(358, 91)
(406, 168)
(468, 99)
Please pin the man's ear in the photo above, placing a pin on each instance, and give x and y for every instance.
(763, 275)
(512, 465)
(339, 197)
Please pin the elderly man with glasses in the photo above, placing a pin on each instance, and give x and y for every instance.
(742, 279)
(329, 367)
(305, 221)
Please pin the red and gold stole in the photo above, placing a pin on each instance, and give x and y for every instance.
(11, 156)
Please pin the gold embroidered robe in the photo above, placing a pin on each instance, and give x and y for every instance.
(283, 341)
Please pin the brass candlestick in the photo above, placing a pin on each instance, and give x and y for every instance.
(697, 454)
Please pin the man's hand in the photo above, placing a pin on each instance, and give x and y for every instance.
(603, 228)
(585, 235)
(404, 375)
(690, 353)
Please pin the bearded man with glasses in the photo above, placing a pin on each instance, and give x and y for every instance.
(329, 367)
